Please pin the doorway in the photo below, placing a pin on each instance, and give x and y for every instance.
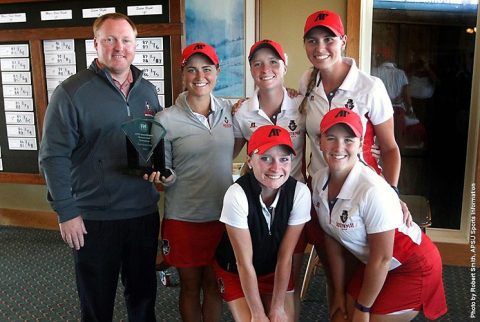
(432, 47)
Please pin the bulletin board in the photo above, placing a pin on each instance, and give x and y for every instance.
(43, 42)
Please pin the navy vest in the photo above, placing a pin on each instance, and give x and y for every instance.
(265, 242)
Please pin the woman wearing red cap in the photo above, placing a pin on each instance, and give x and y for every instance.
(401, 270)
(199, 148)
(272, 105)
(264, 213)
(335, 81)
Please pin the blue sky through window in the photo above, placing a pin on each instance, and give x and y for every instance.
(428, 5)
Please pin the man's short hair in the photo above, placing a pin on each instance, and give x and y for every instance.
(115, 16)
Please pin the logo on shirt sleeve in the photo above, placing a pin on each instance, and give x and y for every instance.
(344, 216)
(349, 104)
(292, 125)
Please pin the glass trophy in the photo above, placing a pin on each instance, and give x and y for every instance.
(145, 148)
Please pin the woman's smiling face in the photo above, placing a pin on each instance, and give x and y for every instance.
(340, 148)
(273, 167)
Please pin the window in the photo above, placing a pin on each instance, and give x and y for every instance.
(424, 51)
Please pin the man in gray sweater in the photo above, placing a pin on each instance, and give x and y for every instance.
(108, 218)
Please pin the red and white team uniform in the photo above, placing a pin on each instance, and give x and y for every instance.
(366, 205)
(250, 116)
(360, 92)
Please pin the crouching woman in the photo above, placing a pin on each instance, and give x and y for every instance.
(401, 271)
(264, 213)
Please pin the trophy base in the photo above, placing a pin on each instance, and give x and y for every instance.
(139, 172)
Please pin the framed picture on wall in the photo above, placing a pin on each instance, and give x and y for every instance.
(228, 26)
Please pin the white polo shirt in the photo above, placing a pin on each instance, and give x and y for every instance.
(250, 116)
(365, 205)
(235, 207)
(363, 93)
(394, 80)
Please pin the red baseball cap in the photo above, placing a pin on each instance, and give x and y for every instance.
(199, 48)
(324, 18)
(342, 116)
(267, 43)
(268, 136)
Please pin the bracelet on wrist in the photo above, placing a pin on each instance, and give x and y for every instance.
(396, 190)
(362, 308)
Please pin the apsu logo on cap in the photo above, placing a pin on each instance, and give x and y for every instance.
(199, 47)
(274, 132)
(342, 114)
(321, 16)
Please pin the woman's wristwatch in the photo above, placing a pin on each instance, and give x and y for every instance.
(362, 308)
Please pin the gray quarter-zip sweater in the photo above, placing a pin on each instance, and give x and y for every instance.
(201, 158)
(83, 151)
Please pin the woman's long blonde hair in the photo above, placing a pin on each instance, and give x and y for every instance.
(311, 84)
